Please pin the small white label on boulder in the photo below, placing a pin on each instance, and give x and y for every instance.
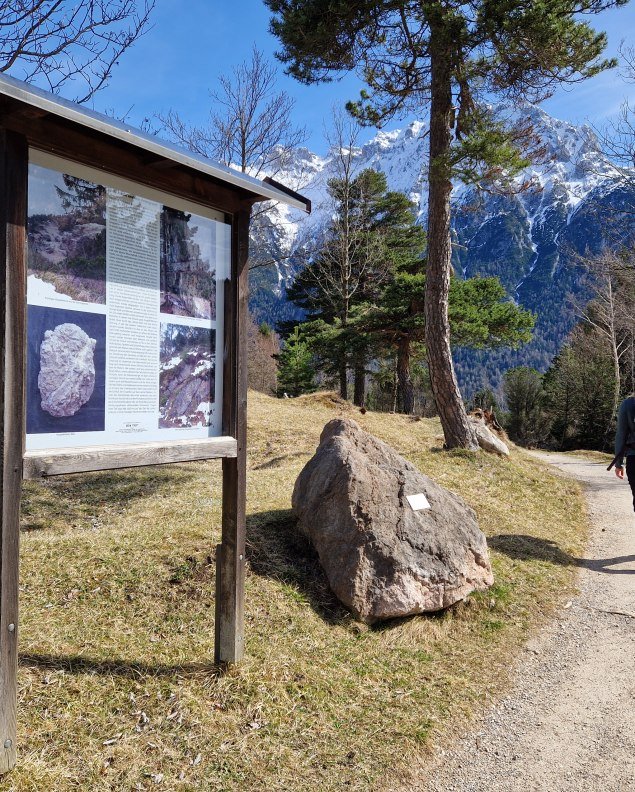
(418, 501)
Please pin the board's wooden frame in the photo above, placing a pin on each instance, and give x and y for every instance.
(39, 463)
(13, 196)
(56, 462)
(31, 120)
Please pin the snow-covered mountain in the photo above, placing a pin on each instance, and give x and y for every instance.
(531, 240)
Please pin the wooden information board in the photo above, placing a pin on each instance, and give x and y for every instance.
(123, 300)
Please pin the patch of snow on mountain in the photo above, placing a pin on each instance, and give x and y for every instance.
(572, 168)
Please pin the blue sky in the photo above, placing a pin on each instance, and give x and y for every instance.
(176, 63)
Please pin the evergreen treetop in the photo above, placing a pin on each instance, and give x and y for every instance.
(295, 367)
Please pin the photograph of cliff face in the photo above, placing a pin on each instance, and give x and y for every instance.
(66, 371)
(66, 237)
(188, 267)
(186, 376)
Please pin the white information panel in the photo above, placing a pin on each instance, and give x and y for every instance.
(418, 501)
(124, 311)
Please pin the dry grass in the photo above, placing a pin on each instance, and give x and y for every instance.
(595, 456)
(117, 687)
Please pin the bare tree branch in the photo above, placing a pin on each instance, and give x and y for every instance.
(249, 125)
(611, 310)
(617, 138)
(66, 42)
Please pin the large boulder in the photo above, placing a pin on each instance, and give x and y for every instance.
(382, 557)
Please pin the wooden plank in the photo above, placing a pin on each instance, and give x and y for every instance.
(292, 193)
(22, 113)
(97, 151)
(229, 644)
(56, 462)
(230, 558)
(229, 348)
(13, 209)
(164, 164)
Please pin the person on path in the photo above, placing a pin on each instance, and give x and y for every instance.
(625, 443)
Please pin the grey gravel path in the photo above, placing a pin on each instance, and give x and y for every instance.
(569, 723)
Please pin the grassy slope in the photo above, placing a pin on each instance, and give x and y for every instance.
(117, 688)
(596, 456)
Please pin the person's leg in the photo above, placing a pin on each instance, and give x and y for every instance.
(630, 473)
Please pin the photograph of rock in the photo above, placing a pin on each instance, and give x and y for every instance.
(67, 369)
(186, 376)
(66, 363)
(188, 265)
(66, 237)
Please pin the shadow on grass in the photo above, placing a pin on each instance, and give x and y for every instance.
(277, 550)
(531, 548)
(69, 498)
(279, 460)
(428, 616)
(76, 664)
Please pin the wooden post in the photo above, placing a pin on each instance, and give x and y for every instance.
(13, 211)
(230, 554)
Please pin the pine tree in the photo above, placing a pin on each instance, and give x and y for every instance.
(372, 231)
(527, 422)
(295, 367)
(480, 317)
(579, 392)
(451, 58)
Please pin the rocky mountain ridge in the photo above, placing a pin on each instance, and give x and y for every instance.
(532, 240)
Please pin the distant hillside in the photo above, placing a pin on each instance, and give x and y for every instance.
(529, 240)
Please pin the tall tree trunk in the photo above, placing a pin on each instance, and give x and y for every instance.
(406, 388)
(565, 420)
(456, 427)
(359, 391)
(395, 388)
(615, 354)
(617, 386)
(343, 367)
